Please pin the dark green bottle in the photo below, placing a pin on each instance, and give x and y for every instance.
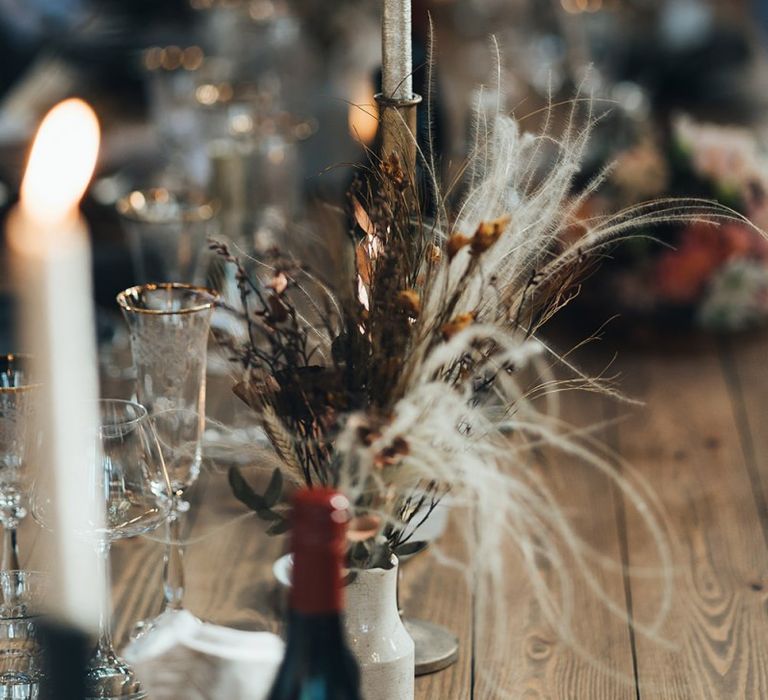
(318, 665)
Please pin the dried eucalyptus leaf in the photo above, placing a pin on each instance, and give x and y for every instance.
(279, 527)
(274, 489)
(410, 548)
(381, 557)
(243, 492)
(266, 514)
(359, 553)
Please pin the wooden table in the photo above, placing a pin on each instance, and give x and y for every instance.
(702, 444)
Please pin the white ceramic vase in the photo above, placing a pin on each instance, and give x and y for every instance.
(377, 637)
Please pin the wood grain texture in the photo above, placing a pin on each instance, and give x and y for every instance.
(540, 665)
(230, 581)
(437, 593)
(687, 445)
(702, 444)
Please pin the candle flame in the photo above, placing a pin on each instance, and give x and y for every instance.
(61, 162)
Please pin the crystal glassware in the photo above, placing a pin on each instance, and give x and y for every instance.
(171, 79)
(18, 393)
(22, 596)
(167, 231)
(169, 326)
(136, 489)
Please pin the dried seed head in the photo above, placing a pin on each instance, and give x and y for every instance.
(434, 254)
(279, 283)
(393, 170)
(392, 454)
(367, 435)
(488, 232)
(456, 325)
(455, 243)
(410, 302)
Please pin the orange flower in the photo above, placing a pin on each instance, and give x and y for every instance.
(682, 274)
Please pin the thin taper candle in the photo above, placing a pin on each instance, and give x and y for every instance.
(51, 266)
(397, 62)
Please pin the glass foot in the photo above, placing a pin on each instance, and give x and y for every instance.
(108, 676)
(19, 686)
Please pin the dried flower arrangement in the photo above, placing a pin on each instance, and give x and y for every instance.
(401, 383)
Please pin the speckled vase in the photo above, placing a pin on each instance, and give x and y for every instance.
(377, 637)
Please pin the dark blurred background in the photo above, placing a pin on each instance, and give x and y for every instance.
(264, 106)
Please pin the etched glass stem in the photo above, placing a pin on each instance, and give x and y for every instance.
(10, 561)
(104, 646)
(173, 574)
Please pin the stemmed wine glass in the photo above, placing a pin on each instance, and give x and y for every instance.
(18, 393)
(137, 499)
(167, 230)
(169, 325)
(130, 479)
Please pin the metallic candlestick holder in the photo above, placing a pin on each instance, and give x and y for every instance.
(398, 128)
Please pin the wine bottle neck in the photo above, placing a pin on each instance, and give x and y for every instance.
(317, 585)
(318, 631)
(318, 542)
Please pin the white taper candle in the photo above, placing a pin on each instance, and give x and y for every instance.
(51, 264)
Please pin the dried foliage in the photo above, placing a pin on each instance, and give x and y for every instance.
(404, 385)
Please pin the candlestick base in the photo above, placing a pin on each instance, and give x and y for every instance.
(436, 647)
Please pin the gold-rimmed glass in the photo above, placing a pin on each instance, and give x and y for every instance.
(169, 325)
(18, 438)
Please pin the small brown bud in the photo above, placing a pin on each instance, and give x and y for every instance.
(455, 243)
(392, 454)
(488, 232)
(456, 325)
(410, 302)
(434, 254)
(367, 435)
(393, 170)
(279, 283)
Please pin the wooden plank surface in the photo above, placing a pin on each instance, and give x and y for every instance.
(687, 445)
(539, 664)
(702, 444)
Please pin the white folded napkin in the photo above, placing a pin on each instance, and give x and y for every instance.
(181, 658)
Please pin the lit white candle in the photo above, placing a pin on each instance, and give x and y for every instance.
(51, 265)
(397, 62)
